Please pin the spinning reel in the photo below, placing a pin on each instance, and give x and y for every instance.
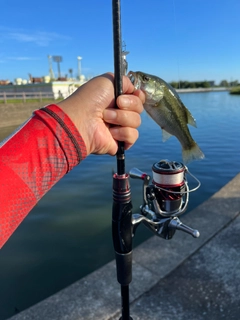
(164, 199)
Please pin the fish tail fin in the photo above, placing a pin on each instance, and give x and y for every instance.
(193, 153)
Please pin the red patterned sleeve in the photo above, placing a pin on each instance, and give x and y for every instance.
(32, 160)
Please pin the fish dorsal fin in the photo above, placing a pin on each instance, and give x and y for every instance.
(190, 119)
(165, 135)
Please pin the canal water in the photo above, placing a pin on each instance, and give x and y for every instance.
(68, 234)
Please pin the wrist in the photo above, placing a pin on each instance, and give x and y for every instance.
(71, 109)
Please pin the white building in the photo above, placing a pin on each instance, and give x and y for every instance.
(58, 89)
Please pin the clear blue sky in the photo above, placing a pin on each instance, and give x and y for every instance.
(173, 39)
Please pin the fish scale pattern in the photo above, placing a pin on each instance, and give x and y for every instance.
(32, 160)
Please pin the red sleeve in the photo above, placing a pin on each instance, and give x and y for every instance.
(32, 160)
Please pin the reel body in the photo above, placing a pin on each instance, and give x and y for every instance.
(164, 199)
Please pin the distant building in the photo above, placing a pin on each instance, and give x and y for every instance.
(59, 89)
(4, 82)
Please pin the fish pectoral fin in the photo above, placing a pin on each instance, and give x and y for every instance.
(190, 119)
(165, 135)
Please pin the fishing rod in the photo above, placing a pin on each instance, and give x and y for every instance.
(122, 206)
(164, 199)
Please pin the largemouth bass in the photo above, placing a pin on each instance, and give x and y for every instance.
(165, 107)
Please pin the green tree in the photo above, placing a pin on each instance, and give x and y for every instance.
(205, 84)
(234, 83)
(192, 85)
(70, 72)
(174, 84)
(224, 83)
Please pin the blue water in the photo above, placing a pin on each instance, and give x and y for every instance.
(68, 234)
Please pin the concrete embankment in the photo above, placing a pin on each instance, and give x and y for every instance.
(180, 279)
(15, 114)
(196, 90)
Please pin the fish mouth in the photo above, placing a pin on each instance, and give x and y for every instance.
(133, 77)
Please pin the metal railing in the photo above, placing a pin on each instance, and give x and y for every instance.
(24, 96)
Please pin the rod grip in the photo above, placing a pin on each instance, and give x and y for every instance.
(122, 228)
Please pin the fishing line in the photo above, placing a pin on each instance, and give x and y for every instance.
(175, 30)
(188, 190)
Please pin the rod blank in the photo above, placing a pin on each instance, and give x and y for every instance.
(118, 84)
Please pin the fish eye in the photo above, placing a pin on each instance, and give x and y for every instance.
(145, 78)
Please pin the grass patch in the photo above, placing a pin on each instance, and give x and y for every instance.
(235, 90)
(30, 100)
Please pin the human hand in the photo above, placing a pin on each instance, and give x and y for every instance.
(91, 108)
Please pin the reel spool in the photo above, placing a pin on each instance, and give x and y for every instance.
(170, 187)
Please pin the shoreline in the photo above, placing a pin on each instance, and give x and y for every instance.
(14, 114)
(196, 90)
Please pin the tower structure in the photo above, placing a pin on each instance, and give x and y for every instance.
(51, 74)
(79, 67)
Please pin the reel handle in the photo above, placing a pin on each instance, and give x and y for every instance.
(176, 224)
(135, 173)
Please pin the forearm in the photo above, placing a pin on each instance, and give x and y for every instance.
(37, 156)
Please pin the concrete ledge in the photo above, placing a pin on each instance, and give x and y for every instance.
(97, 296)
(196, 90)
